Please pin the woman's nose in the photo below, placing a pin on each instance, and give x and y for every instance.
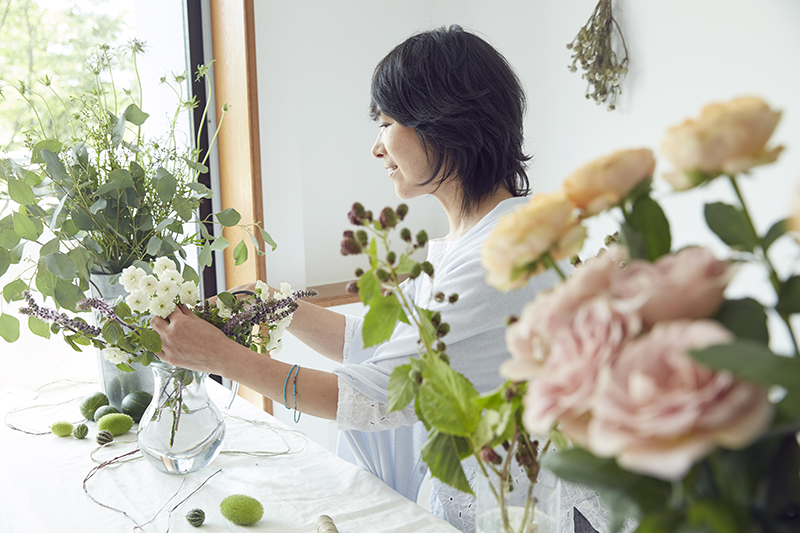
(377, 148)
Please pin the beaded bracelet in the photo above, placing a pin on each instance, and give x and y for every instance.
(296, 416)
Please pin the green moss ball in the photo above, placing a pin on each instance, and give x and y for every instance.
(115, 423)
(80, 431)
(61, 429)
(241, 510)
(104, 437)
(103, 411)
(196, 517)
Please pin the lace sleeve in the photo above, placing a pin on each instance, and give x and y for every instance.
(360, 412)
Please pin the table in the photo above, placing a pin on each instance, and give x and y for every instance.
(42, 475)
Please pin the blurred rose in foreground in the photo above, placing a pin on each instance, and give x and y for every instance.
(547, 224)
(604, 182)
(727, 138)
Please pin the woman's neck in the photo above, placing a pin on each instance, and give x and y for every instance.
(460, 223)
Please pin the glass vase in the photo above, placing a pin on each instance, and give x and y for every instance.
(117, 383)
(517, 505)
(181, 430)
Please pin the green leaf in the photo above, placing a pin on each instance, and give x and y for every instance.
(150, 340)
(82, 220)
(268, 239)
(775, 232)
(8, 236)
(369, 287)
(730, 224)
(166, 185)
(190, 274)
(13, 291)
(82, 259)
(648, 219)
(205, 257)
(719, 516)
(228, 217)
(380, 319)
(38, 327)
(50, 247)
(153, 246)
(55, 168)
(443, 453)
(446, 399)
(9, 328)
(623, 492)
(50, 145)
(746, 318)
(60, 265)
(24, 226)
(112, 331)
(118, 130)
(752, 361)
(240, 253)
(228, 299)
(401, 388)
(200, 189)
(20, 192)
(196, 165)
(98, 205)
(5, 260)
(67, 295)
(134, 115)
(789, 297)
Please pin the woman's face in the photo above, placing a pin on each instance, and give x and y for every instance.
(404, 157)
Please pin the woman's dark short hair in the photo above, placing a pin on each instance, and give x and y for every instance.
(465, 103)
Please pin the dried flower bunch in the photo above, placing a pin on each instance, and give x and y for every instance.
(593, 52)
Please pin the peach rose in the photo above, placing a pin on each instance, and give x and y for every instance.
(727, 138)
(658, 411)
(604, 182)
(687, 284)
(546, 224)
(578, 351)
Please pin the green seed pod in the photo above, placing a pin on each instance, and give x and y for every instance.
(382, 275)
(427, 267)
(80, 431)
(115, 423)
(103, 411)
(241, 510)
(405, 234)
(61, 429)
(104, 437)
(422, 237)
(416, 270)
(196, 517)
(91, 403)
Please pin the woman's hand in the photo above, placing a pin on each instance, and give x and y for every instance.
(190, 342)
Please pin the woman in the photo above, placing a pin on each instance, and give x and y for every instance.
(450, 112)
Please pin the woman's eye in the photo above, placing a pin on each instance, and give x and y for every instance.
(385, 124)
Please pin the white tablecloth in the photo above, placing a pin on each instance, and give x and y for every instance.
(42, 475)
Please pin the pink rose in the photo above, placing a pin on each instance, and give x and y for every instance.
(687, 284)
(604, 182)
(658, 411)
(727, 138)
(528, 339)
(578, 351)
(547, 224)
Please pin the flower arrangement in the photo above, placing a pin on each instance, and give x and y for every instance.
(97, 196)
(678, 413)
(124, 336)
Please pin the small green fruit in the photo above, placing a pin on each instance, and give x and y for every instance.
(104, 437)
(241, 510)
(90, 404)
(80, 431)
(135, 403)
(196, 517)
(61, 429)
(115, 423)
(103, 411)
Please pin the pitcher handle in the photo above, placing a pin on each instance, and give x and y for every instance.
(234, 391)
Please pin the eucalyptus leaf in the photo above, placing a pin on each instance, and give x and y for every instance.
(153, 246)
(13, 290)
(134, 115)
(9, 327)
(190, 274)
(118, 130)
(240, 253)
(38, 327)
(268, 239)
(54, 167)
(5, 260)
(8, 236)
(83, 220)
(789, 297)
(228, 217)
(24, 226)
(200, 189)
(50, 145)
(19, 191)
(166, 185)
(50, 247)
(67, 295)
(60, 265)
(98, 205)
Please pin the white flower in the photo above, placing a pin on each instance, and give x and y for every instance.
(138, 301)
(286, 290)
(148, 284)
(167, 289)
(275, 335)
(160, 306)
(262, 290)
(162, 265)
(171, 275)
(189, 294)
(224, 311)
(130, 278)
(115, 355)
